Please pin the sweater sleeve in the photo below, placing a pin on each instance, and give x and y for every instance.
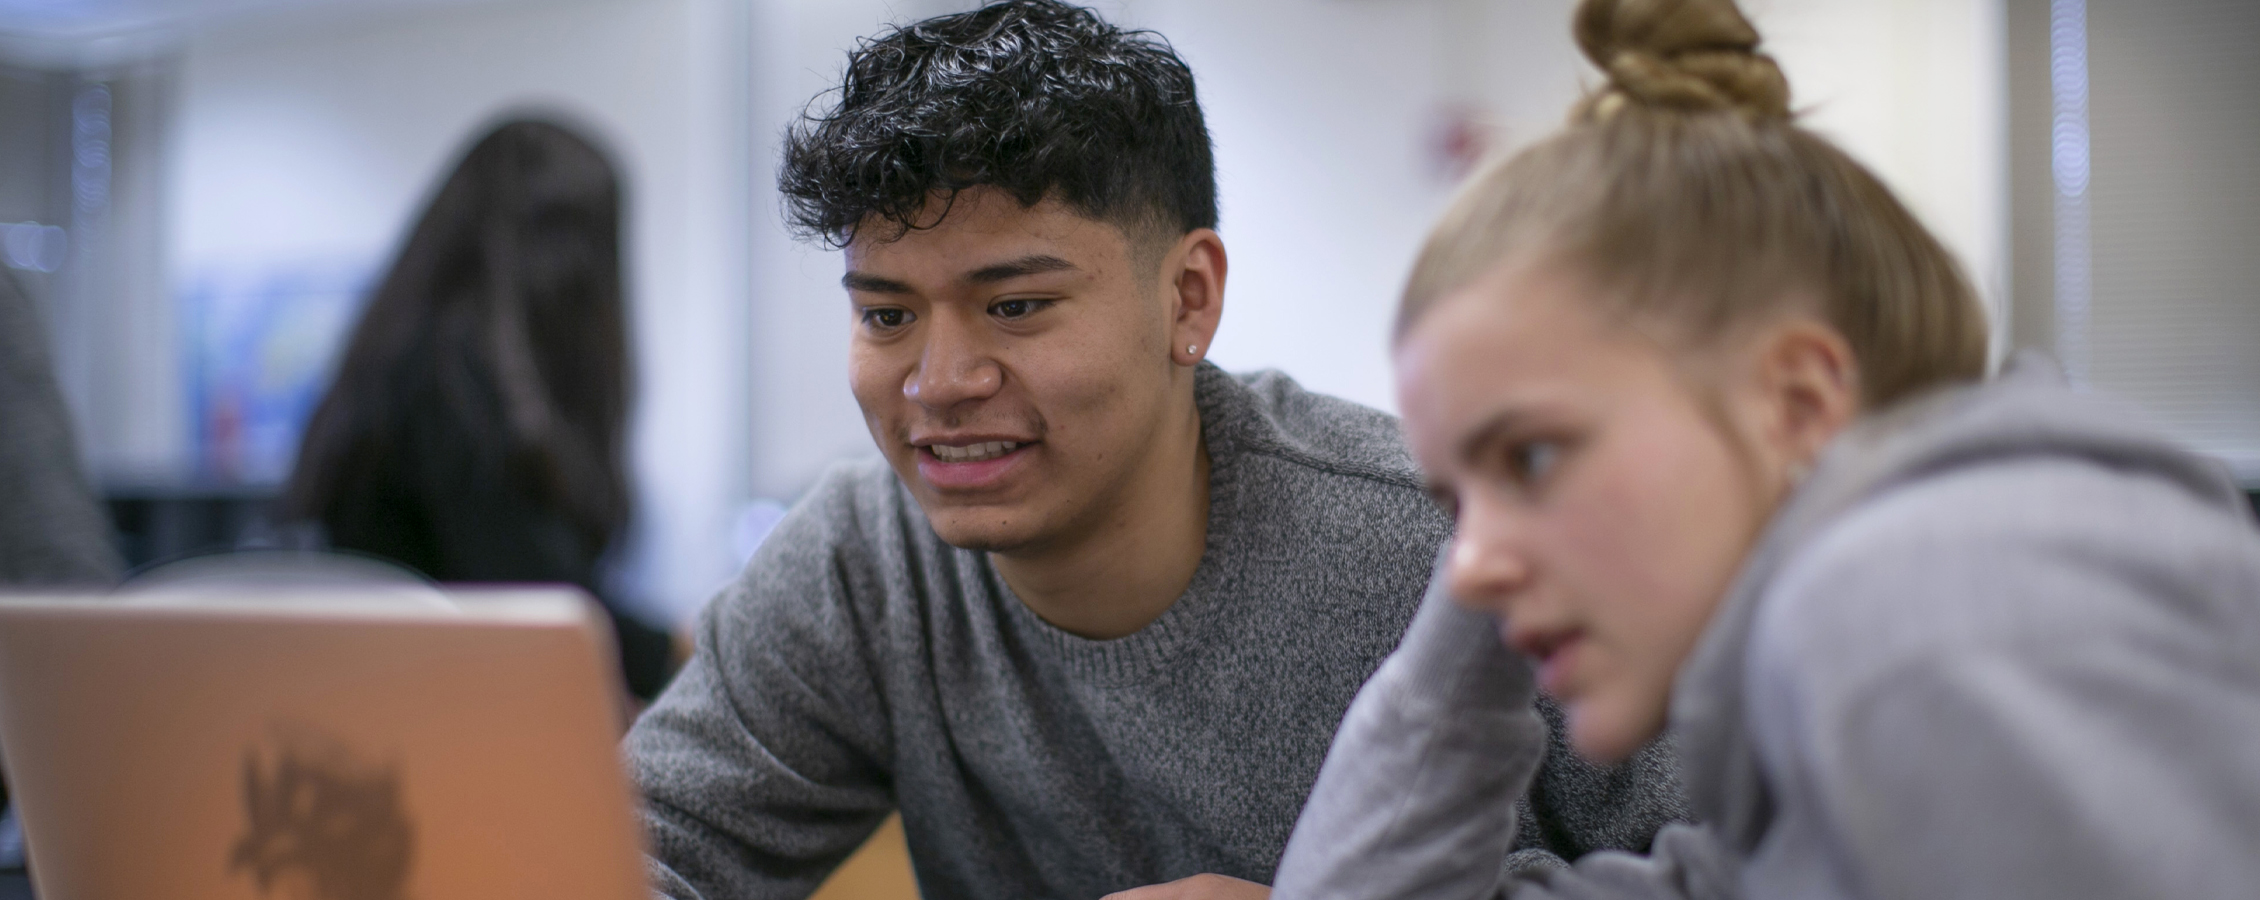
(1417, 796)
(765, 763)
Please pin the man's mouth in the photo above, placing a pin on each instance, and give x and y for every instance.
(985, 450)
(971, 462)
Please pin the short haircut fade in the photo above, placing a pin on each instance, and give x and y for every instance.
(1034, 97)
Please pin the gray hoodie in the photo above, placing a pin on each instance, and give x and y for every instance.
(2001, 644)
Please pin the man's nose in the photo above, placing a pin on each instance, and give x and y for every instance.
(1487, 565)
(954, 367)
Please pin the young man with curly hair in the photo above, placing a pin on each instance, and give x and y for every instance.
(1092, 621)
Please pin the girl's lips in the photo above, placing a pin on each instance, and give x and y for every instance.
(1554, 668)
(1555, 652)
(970, 476)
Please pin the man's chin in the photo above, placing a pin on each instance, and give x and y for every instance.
(986, 531)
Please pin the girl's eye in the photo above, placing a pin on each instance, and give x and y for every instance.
(886, 317)
(1016, 309)
(1532, 461)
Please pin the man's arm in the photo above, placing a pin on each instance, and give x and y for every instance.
(766, 762)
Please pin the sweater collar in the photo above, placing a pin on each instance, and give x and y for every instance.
(1232, 419)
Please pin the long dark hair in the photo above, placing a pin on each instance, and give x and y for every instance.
(500, 328)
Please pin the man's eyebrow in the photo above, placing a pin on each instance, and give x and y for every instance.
(1032, 264)
(872, 284)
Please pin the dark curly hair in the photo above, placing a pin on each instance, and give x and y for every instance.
(1035, 97)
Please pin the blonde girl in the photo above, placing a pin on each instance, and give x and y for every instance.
(1708, 405)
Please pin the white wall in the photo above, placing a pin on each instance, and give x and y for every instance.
(1321, 113)
(1918, 90)
(318, 139)
(803, 417)
(1324, 117)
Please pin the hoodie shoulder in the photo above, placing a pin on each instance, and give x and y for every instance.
(2030, 555)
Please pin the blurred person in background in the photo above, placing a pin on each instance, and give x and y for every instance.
(52, 530)
(475, 431)
(53, 533)
(1090, 622)
(1709, 406)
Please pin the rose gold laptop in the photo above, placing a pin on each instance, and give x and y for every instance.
(332, 743)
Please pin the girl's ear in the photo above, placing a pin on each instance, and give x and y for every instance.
(1811, 384)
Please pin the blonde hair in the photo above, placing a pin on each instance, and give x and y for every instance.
(1686, 192)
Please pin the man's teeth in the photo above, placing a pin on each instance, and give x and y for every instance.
(973, 452)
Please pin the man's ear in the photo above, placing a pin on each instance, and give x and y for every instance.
(1812, 380)
(1194, 282)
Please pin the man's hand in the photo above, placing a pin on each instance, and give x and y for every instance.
(1198, 887)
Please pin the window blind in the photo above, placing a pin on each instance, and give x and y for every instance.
(2172, 249)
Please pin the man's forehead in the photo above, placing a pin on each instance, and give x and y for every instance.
(981, 238)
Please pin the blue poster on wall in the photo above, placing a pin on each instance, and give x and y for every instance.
(262, 344)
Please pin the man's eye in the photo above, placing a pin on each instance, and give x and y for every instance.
(1016, 309)
(886, 317)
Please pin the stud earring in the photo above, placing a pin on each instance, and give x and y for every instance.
(1191, 349)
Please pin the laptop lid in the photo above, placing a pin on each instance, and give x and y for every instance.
(328, 744)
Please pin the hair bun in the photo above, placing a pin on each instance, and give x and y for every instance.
(1690, 55)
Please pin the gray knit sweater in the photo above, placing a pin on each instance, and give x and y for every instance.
(2002, 644)
(861, 665)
